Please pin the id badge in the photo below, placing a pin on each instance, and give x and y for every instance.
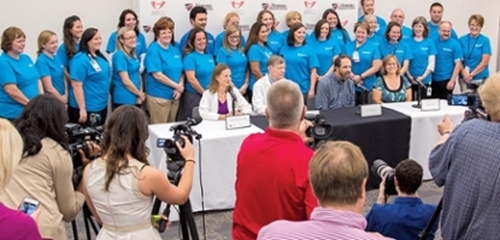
(95, 65)
(429, 91)
(355, 56)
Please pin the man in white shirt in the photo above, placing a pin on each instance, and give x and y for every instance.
(276, 72)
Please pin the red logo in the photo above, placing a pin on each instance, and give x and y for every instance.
(335, 6)
(237, 4)
(189, 6)
(158, 4)
(146, 28)
(309, 4)
(265, 6)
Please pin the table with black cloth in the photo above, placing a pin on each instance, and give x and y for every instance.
(385, 137)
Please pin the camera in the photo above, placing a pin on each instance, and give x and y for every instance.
(320, 130)
(476, 110)
(383, 170)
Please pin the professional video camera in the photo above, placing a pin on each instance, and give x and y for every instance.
(321, 130)
(382, 170)
(476, 109)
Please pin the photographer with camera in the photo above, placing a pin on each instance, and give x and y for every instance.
(466, 162)
(120, 185)
(408, 215)
(45, 172)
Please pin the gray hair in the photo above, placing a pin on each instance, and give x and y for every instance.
(284, 103)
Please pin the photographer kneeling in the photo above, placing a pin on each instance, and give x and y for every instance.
(408, 215)
(45, 172)
(120, 185)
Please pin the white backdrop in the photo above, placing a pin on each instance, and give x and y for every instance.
(150, 10)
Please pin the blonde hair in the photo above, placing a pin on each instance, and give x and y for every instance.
(290, 15)
(367, 18)
(11, 151)
(214, 84)
(228, 17)
(229, 31)
(43, 39)
(383, 69)
(488, 93)
(121, 35)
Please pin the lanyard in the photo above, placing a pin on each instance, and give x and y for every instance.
(394, 48)
(471, 50)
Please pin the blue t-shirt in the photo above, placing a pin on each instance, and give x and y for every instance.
(448, 53)
(258, 53)
(203, 65)
(52, 67)
(94, 73)
(167, 61)
(403, 219)
(380, 22)
(434, 31)
(140, 48)
(375, 39)
(400, 50)
(406, 33)
(210, 42)
(219, 42)
(63, 56)
(237, 62)
(325, 51)
(21, 72)
(367, 53)
(341, 37)
(392, 95)
(299, 62)
(473, 50)
(421, 50)
(275, 41)
(131, 65)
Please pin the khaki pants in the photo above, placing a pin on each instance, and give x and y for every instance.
(162, 110)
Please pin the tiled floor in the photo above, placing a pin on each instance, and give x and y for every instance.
(218, 224)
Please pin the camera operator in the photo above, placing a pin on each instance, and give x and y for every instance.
(272, 180)
(466, 162)
(408, 215)
(45, 172)
(120, 185)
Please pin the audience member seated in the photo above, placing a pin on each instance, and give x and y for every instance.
(338, 173)
(276, 72)
(391, 86)
(221, 97)
(271, 170)
(120, 185)
(46, 170)
(336, 90)
(408, 215)
(14, 224)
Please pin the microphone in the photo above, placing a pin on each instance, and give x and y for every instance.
(233, 96)
(420, 83)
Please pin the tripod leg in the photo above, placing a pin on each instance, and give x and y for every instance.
(86, 223)
(75, 230)
(187, 213)
(183, 222)
(92, 224)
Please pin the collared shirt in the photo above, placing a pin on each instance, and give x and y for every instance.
(334, 93)
(272, 182)
(403, 219)
(468, 164)
(324, 224)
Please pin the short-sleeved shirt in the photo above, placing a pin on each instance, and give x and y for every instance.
(167, 61)
(380, 22)
(203, 65)
(52, 67)
(399, 49)
(448, 54)
(434, 31)
(367, 53)
(237, 61)
(21, 72)
(140, 48)
(260, 54)
(299, 63)
(63, 56)
(95, 74)
(131, 65)
(406, 33)
(325, 51)
(473, 50)
(392, 95)
(275, 41)
(421, 50)
(219, 42)
(210, 42)
(340, 36)
(375, 39)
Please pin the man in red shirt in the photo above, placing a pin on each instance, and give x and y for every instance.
(272, 180)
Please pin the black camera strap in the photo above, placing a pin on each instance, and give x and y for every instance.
(427, 230)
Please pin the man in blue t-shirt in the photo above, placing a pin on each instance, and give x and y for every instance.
(407, 216)
(198, 17)
(436, 16)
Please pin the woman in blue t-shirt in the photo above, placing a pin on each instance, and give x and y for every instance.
(126, 78)
(90, 82)
(198, 68)
(275, 39)
(258, 53)
(392, 44)
(72, 33)
(19, 79)
(232, 18)
(325, 48)
(231, 53)
(291, 18)
(391, 86)
(338, 33)
(50, 67)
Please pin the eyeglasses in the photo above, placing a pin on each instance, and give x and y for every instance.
(129, 38)
(234, 37)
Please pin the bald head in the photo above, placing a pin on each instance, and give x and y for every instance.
(445, 30)
(398, 15)
(284, 105)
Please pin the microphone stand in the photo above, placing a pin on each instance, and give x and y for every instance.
(419, 94)
(234, 100)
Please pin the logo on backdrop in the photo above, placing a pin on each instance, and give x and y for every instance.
(343, 6)
(245, 27)
(146, 28)
(274, 7)
(309, 4)
(309, 26)
(156, 4)
(190, 6)
(237, 4)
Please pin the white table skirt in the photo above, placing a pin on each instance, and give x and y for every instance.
(424, 134)
(219, 149)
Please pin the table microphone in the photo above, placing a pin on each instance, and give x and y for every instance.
(363, 88)
(420, 83)
(233, 96)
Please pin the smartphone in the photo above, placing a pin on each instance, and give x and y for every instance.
(29, 206)
(459, 100)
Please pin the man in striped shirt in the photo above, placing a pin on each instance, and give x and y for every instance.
(338, 174)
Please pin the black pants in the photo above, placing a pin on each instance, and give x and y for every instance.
(361, 98)
(439, 89)
(93, 118)
(188, 102)
(249, 96)
(423, 92)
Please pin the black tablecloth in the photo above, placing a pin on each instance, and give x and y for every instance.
(385, 137)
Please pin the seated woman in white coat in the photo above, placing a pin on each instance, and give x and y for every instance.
(217, 102)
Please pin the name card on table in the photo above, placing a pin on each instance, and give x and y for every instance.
(235, 122)
(371, 110)
(430, 104)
